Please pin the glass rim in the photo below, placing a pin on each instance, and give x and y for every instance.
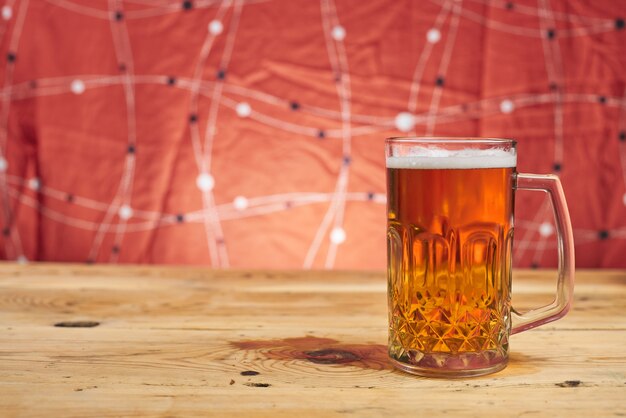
(450, 140)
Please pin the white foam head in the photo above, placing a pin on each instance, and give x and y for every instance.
(438, 158)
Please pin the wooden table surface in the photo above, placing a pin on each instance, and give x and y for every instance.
(153, 341)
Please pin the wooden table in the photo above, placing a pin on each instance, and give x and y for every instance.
(153, 341)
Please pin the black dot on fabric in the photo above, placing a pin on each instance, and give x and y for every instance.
(193, 118)
(601, 99)
(115, 249)
(171, 81)
(89, 261)
(221, 74)
(622, 136)
(119, 16)
(534, 266)
(131, 149)
(619, 23)
(294, 105)
(220, 241)
(11, 57)
(603, 234)
(557, 167)
(554, 86)
(370, 196)
(6, 232)
(69, 198)
(510, 6)
(288, 205)
(551, 33)
(122, 67)
(187, 5)
(440, 81)
(337, 78)
(347, 160)
(321, 134)
(180, 218)
(33, 84)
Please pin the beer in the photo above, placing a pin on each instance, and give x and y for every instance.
(449, 241)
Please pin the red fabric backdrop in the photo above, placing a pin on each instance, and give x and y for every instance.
(249, 133)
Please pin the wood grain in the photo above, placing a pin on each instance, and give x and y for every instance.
(155, 341)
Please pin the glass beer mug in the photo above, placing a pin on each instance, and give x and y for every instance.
(449, 245)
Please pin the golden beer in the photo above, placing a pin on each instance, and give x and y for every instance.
(449, 238)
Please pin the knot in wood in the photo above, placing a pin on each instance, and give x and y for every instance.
(331, 356)
(77, 324)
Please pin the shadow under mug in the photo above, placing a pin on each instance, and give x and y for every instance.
(450, 224)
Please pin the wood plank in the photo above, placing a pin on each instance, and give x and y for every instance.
(175, 341)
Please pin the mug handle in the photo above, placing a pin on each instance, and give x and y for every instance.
(565, 240)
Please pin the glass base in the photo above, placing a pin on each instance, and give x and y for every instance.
(451, 367)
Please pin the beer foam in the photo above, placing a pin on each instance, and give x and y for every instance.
(437, 158)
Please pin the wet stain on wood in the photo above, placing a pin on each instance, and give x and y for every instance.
(77, 324)
(569, 384)
(320, 351)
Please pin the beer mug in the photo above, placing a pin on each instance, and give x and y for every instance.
(450, 208)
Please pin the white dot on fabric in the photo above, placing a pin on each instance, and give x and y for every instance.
(205, 182)
(507, 106)
(7, 12)
(125, 212)
(380, 198)
(34, 183)
(3, 164)
(240, 203)
(433, 36)
(337, 235)
(243, 110)
(404, 121)
(338, 33)
(22, 259)
(77, 87)
(215, 27)
(546, 229)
